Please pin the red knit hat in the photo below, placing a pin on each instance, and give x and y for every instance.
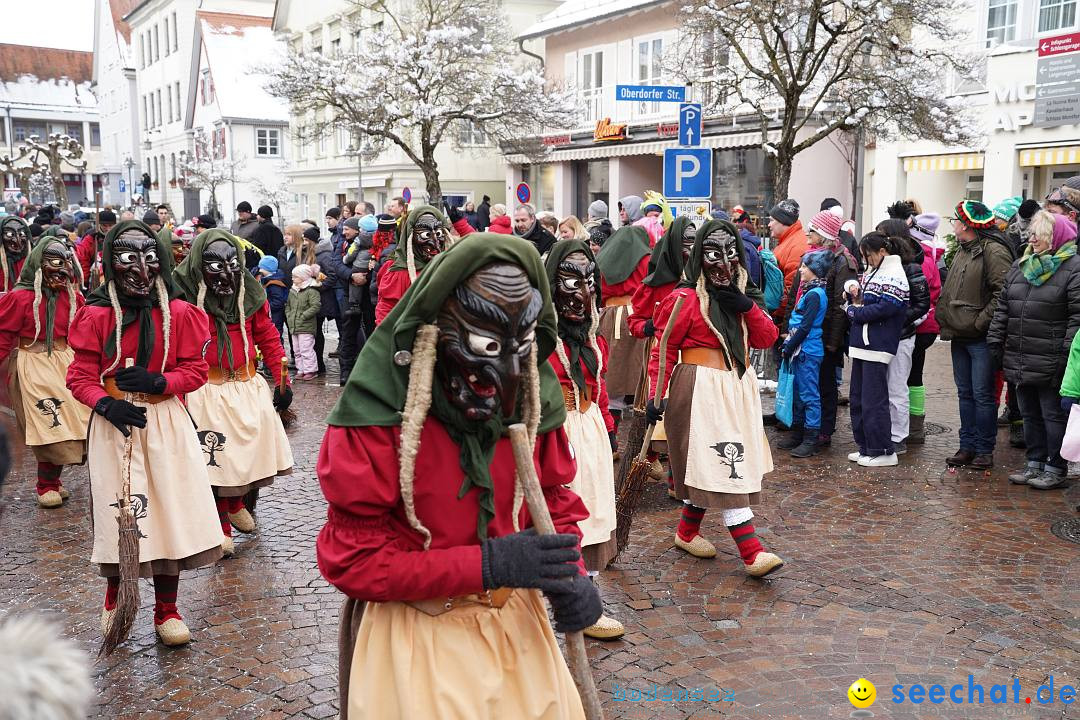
(827, 225)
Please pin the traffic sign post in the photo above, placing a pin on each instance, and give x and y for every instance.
(523, 193)
(690, 124)
(688, 173)
(123, 185)
(650, 93)
(406, 195)
(1057, 82)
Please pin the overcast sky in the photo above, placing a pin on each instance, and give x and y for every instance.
(67, 24)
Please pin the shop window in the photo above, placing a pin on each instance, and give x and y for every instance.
(1001, 22)
(470, 135)
(268, 142)
(1056, 15)
(592, 85)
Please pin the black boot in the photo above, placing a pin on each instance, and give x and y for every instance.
(809, 445)
(1016, 434)
(792, 440)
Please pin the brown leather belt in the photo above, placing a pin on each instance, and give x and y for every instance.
(220, 375)
(148, 398)
(706, 357)
(568, 399)
(38, 346)
(617, 300)
(492, 598)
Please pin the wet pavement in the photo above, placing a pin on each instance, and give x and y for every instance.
(905, 575)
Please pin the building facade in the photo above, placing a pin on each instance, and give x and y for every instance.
(595, 45)
(327, 171)
(1021, 150)
(115, 87)
(45, 91)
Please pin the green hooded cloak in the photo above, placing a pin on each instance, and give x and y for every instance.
(723, 318)
(575, 335)
(189, 274)
(26, 282)
(666, 264)
(621, 253)
(12, 259)
(404, 245)
(134, 309)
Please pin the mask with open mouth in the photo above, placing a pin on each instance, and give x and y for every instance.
(429, 238)
(16, 239)
(575, 288)
(486, 331)
(221, 268)
(57, 266)
(720, 257)
(135, 263)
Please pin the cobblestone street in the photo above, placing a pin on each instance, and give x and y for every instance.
(900, 575)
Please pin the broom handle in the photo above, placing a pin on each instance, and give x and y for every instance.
(284, 372)
(577, 660)
(660, 375)
(128, 362)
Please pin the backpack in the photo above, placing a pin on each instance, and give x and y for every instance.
(772, 279)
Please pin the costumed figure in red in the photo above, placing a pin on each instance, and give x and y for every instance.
(14, 248)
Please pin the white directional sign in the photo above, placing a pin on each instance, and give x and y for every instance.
(687, 173)
(1058, 68)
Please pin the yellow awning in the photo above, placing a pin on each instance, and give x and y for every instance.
(955, 161)
(1067, 155)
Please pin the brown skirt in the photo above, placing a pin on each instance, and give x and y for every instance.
(598, 557)
(625, 352)
(681, 398)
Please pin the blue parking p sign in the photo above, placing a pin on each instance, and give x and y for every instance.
(687, 173)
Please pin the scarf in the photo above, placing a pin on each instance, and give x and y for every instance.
(621, 253)
(666, 263)
(575, 336)
(133, 310)
(728, 323)
(223, 311)
(1040, 267)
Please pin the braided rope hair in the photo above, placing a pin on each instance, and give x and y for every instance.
(200, 300)
(4, 267)
(118, 317)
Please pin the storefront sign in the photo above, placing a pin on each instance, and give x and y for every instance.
(606, 131)
(1006, 119)
(1059, 44)
(667, 130)
(555, 140)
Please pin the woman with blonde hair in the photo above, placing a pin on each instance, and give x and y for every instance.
(572, 229)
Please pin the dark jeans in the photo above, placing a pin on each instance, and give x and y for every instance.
(831, 364)
(352, 339)
(918, 357)
(1044, 422)
(973, 373)
(870, 421)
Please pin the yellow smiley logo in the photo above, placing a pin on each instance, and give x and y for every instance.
(862, 693)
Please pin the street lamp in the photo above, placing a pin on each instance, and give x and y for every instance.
(358, 150)
(129, 164)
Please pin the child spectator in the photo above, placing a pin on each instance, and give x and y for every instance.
(804, 350)
(301, 310)
(277, 291)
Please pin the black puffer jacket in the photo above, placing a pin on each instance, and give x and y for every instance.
(918, 299)
(1033, 327)
(834, 329)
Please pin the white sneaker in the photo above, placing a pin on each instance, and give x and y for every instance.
(879, 461)
(855, 456)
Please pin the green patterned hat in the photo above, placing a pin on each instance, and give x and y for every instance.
(974, 214)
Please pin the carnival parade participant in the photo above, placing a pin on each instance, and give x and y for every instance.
(425, 520)
(14, 248)
(716, 441)
(35, 318)
(148, 434)
(235, 412)
(580, 362)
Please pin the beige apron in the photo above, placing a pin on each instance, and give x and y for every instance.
(174, 505)
(243, 442)
(625, 352)
(50, 413)
(594, 482)
(471, 663)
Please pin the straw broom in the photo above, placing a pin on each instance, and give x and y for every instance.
(630, 489)
(127, 601)
(577, 660)
(288, 415)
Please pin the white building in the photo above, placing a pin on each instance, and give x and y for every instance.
(1017, 154)
(324, 174)
(594, 45)
(117, 93)
(45, 91)
(167, 44)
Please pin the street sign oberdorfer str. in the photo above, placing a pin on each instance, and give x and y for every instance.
(688, 173)
(650, 93)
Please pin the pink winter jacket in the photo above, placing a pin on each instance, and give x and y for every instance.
(931, 255)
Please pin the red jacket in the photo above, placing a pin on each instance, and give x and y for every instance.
(501, 226)
(86, 252)
(644, 304)
(262, 336)
(598, 393)
(789, 250)
(17, 318)
(627, 286)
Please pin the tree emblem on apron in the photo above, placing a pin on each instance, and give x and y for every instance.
(730, 453)
(50, 406)
(140, 504)
(213, 442)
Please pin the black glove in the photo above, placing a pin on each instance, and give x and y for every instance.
(650, 328)
(452, 213)
(575, 605)
(528, 560)
(121, 413)
(655, 414)
(282, 400)
(140, 380)
(733, 298)
(611, 436)
(788, 351)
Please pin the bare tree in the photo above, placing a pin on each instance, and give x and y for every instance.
(276, 194)
(809, 68)
(437, 72)
(207, 168)
(46, 161)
